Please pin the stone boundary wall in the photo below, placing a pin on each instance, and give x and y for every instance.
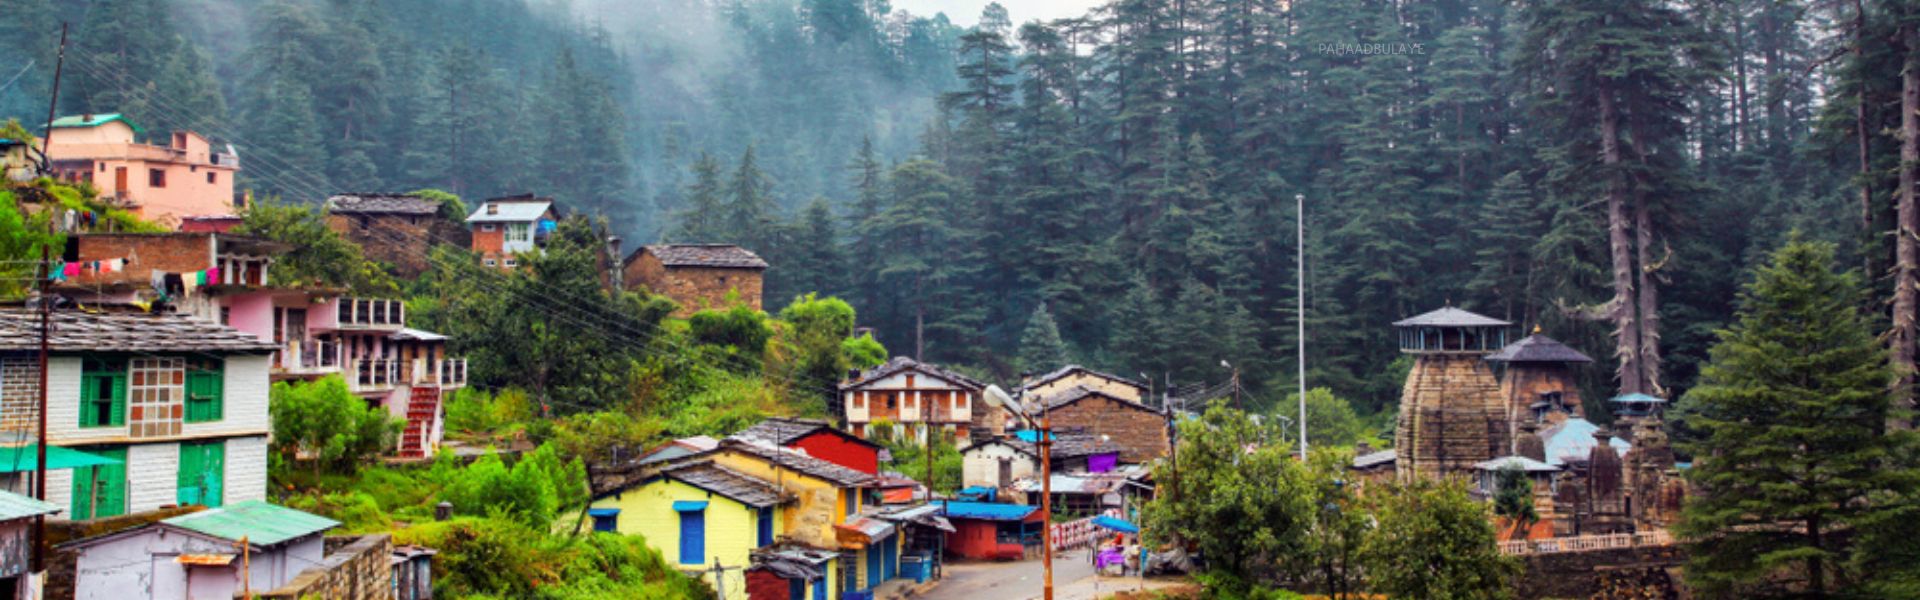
(1642, 572)
(359, 570)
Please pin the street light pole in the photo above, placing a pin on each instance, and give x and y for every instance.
(1300, 310)
(1046, 501)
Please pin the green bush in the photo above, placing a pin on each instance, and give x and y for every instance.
(326, 427)
(533, 491)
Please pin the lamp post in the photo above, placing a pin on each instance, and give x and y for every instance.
(999, 398)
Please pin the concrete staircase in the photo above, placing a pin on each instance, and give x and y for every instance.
(423, 405)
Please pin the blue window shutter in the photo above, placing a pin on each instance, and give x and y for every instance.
(766, 526)
(820, 588)
(693, 537)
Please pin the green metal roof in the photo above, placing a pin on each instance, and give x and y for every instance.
(94, 120)
(15, 506)
(15, 459)
(261, 523)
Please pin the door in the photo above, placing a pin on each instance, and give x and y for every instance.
(1006, 473)
(202, 473)
(693, 537)
(889, 557)
(119, 180)
(873, 567)
(100, 491)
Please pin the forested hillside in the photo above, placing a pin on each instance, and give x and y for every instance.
(1602, 168)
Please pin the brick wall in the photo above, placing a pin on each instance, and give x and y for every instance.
(357, 570)
(401, 240)
(173, 253)
(1141, 431)
(19, 393)
(693, 288)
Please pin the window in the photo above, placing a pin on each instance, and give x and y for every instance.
(486, 227)
(605, 519)
(203, 469)
(489, 262)
(693, 533)
(157, 178)
(155, 398)
(205, 384)
(103, 392)
(765, 523)
(519, 232)
(213, 177)
(226, 315)
(100, 491)
(511, 262)
(853, 502)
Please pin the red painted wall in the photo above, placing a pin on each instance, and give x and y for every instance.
(763, 584)
(974, 538)
(840, 451)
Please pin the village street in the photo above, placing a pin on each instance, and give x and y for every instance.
(1074, 579)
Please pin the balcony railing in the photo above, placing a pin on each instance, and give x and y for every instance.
(446, 373)
(305, 357)
(362, 313)
(375, 374)
(225, 160)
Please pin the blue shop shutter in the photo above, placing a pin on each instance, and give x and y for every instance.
(820, 589)
(693, 536)
(766, 527)
(873, 567)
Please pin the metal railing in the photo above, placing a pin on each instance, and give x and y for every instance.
(375, 374)
(363, 312)
(1587, 543)
(308, 356)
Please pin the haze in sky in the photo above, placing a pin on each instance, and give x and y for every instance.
(966, 12)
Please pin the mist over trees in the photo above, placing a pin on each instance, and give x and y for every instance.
(1603, 169)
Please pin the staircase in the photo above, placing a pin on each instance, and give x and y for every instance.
(423, 404)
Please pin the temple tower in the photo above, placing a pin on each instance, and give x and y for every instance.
(1537, 385)
(1451, 412)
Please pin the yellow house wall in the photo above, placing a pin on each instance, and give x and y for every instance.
(647, 511)
(1093, 382)
(818, 505)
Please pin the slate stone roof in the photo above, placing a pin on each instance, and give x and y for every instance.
(798, 462)
(1450, 317)
(376, 203)
(787, 430)
(1375, 459)
(726, 482)
(712, 256)
(1071, 369)
(903, 363)
(1539, 348)
(1081, 392)
(75, 331)
(1065, 445)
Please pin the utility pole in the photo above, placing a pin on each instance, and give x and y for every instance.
(246, 567)
(1300, 312)
(1046, 499)
(46, 327)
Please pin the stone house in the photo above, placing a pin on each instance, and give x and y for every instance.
(915, 397)
(506, 228)
(820, 440)
(201, 555)
(1069, 376)
(1141, 431)
(697, 276)
(396, 229)
(178, 405)
(161, 184)
(997, 463)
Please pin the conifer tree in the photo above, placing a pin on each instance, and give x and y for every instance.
(702, 220)
(1792, 450)
(1041, 348)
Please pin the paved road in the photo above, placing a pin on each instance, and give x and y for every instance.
(1073, 579)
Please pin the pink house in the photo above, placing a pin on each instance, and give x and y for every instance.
(316, 331)
(159, 183)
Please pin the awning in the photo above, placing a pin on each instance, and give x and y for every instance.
(15, 459)
(1115, 524)
(689, 505)
(205, 560)
(604, 512)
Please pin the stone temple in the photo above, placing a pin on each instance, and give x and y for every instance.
(1452, 413)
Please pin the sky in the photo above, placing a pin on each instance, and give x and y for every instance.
(966, 12)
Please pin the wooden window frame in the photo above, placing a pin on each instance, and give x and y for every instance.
(205, 390)
(93, 371)
(157, 178)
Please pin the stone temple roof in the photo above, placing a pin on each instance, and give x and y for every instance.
(1450, 317)
(1539, 348)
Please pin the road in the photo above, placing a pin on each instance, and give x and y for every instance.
(1073, 579)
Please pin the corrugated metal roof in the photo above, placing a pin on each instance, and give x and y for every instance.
(988, 511)
(1515, 462)
(205, 560)
(1574, 440)
(15, 506)
(94, 120)
(15, 459)
(1638, 397)
(510, 211)
(1367, 461)
(411, 334)
(262, 524)
(1450, 317)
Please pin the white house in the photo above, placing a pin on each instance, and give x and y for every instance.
(201, 555)
(997, 463)
(181, 404)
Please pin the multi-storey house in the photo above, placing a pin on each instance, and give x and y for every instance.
(314, 332)
(172, 409)
(397, 229)
(162, 184)
(915, 397)
(506, 229)
(697, 276)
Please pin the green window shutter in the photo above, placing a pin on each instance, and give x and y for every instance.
(89, 389)
(205, 399)
(202, 473)
(103, 378)
(119, 415)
